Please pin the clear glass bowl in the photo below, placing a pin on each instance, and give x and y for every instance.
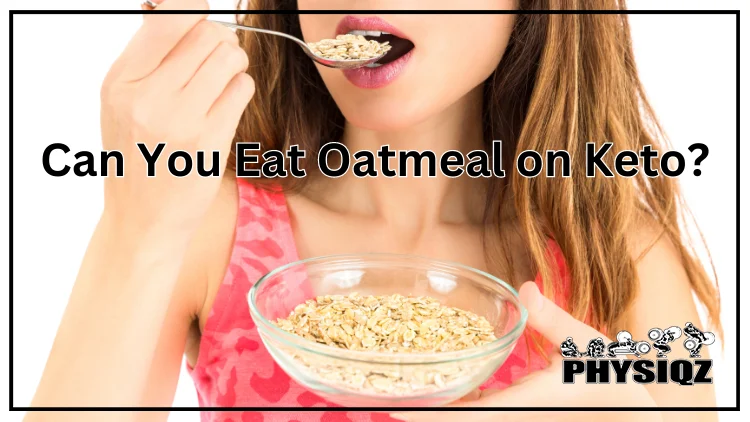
(357, 378)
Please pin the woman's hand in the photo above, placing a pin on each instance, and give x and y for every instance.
(181, 81)
(545, 388)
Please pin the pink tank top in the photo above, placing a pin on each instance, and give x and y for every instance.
(235, 370)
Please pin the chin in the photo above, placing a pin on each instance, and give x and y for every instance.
(385, 116)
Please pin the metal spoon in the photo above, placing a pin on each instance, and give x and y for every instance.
(336, 64)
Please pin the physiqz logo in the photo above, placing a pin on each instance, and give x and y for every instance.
(623, 360)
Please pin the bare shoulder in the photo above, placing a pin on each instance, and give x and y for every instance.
(659, 266)
(664, 300)
(665, 293)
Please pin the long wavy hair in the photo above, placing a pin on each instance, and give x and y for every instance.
(564, 80)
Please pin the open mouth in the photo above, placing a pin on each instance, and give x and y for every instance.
(389, 67)
(399, 46)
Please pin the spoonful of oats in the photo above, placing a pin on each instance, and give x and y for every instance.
(347, 51)
(349, 47)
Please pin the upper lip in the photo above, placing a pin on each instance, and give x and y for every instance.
(367, 23)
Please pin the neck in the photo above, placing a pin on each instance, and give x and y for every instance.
(416, 203)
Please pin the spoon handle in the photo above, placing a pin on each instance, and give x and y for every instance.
(264, 31)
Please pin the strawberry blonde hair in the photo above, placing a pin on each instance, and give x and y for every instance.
(564, 80)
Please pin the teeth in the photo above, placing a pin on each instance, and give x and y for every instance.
(373, 65)
(368, 33)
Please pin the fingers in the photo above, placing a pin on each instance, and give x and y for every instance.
(182, 63)
(213, 77)
(550, 320)
(158, 35)
(226, 112)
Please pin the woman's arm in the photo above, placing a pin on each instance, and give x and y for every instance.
(95, 350)
(116, 314)
(180, 85)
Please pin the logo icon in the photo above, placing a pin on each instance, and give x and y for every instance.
(626, 346)
(595, 349)
(662, 338)
(696, 339)
(569, 349)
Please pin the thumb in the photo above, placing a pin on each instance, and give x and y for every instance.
(550, 320)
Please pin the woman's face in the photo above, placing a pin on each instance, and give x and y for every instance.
(451, 55)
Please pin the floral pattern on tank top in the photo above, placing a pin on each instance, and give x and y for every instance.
(235, 370)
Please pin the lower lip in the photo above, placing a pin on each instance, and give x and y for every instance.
(378, 77)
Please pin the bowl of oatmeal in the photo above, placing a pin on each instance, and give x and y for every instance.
(386, 330)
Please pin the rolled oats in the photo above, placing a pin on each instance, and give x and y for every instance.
(389, 325)
(349, 47)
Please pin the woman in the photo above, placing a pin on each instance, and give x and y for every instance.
(172, 259)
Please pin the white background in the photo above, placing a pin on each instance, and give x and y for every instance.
(687, 63)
